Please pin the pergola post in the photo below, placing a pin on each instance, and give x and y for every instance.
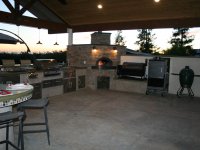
(70, 36)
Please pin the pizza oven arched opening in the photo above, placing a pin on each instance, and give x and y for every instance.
(104, 62)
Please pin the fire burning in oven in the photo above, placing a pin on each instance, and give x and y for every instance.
(104, 62)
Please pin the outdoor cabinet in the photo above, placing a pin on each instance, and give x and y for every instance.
(69, 81)
(51, 83)
(81, 81)
(52, 87)
(69, 84)
(37, 92)
(47, 83)
(57, 82)
(103, 82)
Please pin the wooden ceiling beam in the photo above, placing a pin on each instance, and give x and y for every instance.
(9, 6)
(15, 11)
(27, 7)
(146, 24)
(32, 22)
(17, 6)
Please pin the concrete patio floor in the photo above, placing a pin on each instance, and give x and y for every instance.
(111, 120)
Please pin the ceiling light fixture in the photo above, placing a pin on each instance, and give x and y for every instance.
(115, 49)
(94, 49)
(19, 41)
(156, 1)
(99, 6)
(39, 37)
(18, 32)
(56, 43)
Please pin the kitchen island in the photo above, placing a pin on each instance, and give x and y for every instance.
(12, 95)
(15, 95)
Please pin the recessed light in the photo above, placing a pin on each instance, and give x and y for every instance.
(99, 6)
(156, 1)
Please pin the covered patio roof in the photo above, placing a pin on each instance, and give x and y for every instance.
(83, 15)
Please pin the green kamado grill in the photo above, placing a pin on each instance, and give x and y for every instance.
(186, 78)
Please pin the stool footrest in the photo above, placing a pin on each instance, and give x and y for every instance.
(34, 131)
(8, 119)
(34, 124)
(5, 141)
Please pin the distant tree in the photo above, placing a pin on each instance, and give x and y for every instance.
(181, 43)
(119, 40)
(145, 40)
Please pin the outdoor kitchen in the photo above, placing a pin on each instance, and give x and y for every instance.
(92, 65)
(98, 65)
(133, 85)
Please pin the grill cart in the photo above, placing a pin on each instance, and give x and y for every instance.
(158, 76)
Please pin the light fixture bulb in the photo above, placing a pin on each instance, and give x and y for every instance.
(94, 49)
(156, 1)
(115, 51)
(99, 6)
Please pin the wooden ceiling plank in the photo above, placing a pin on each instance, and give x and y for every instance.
(150, 24)
(64, 2)
(64, 21)
(83, 15)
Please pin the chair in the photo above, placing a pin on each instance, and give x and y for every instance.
(8, 119)
(36, 104)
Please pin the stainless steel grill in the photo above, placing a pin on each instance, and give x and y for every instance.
(50, 67)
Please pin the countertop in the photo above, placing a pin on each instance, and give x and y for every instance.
(16, 96)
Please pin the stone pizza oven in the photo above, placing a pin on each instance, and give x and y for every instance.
(99, 52)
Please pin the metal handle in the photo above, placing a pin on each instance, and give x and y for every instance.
(46, 83)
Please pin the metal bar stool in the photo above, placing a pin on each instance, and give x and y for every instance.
(36, 104)
(8, 119)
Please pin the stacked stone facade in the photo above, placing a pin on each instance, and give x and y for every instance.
(100, 38)
(87, 55)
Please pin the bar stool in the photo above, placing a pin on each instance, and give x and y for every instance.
(8, 119)
(36, 104)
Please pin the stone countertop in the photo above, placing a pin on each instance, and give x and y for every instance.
(16, 97)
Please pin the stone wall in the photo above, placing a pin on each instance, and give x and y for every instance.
(100, 38)
(86, 56)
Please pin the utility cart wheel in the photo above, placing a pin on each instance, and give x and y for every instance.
(147, 92)
(163, 94)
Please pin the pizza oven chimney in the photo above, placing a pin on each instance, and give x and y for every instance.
(100, 38)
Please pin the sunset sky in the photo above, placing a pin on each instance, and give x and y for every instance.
(31, 36)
